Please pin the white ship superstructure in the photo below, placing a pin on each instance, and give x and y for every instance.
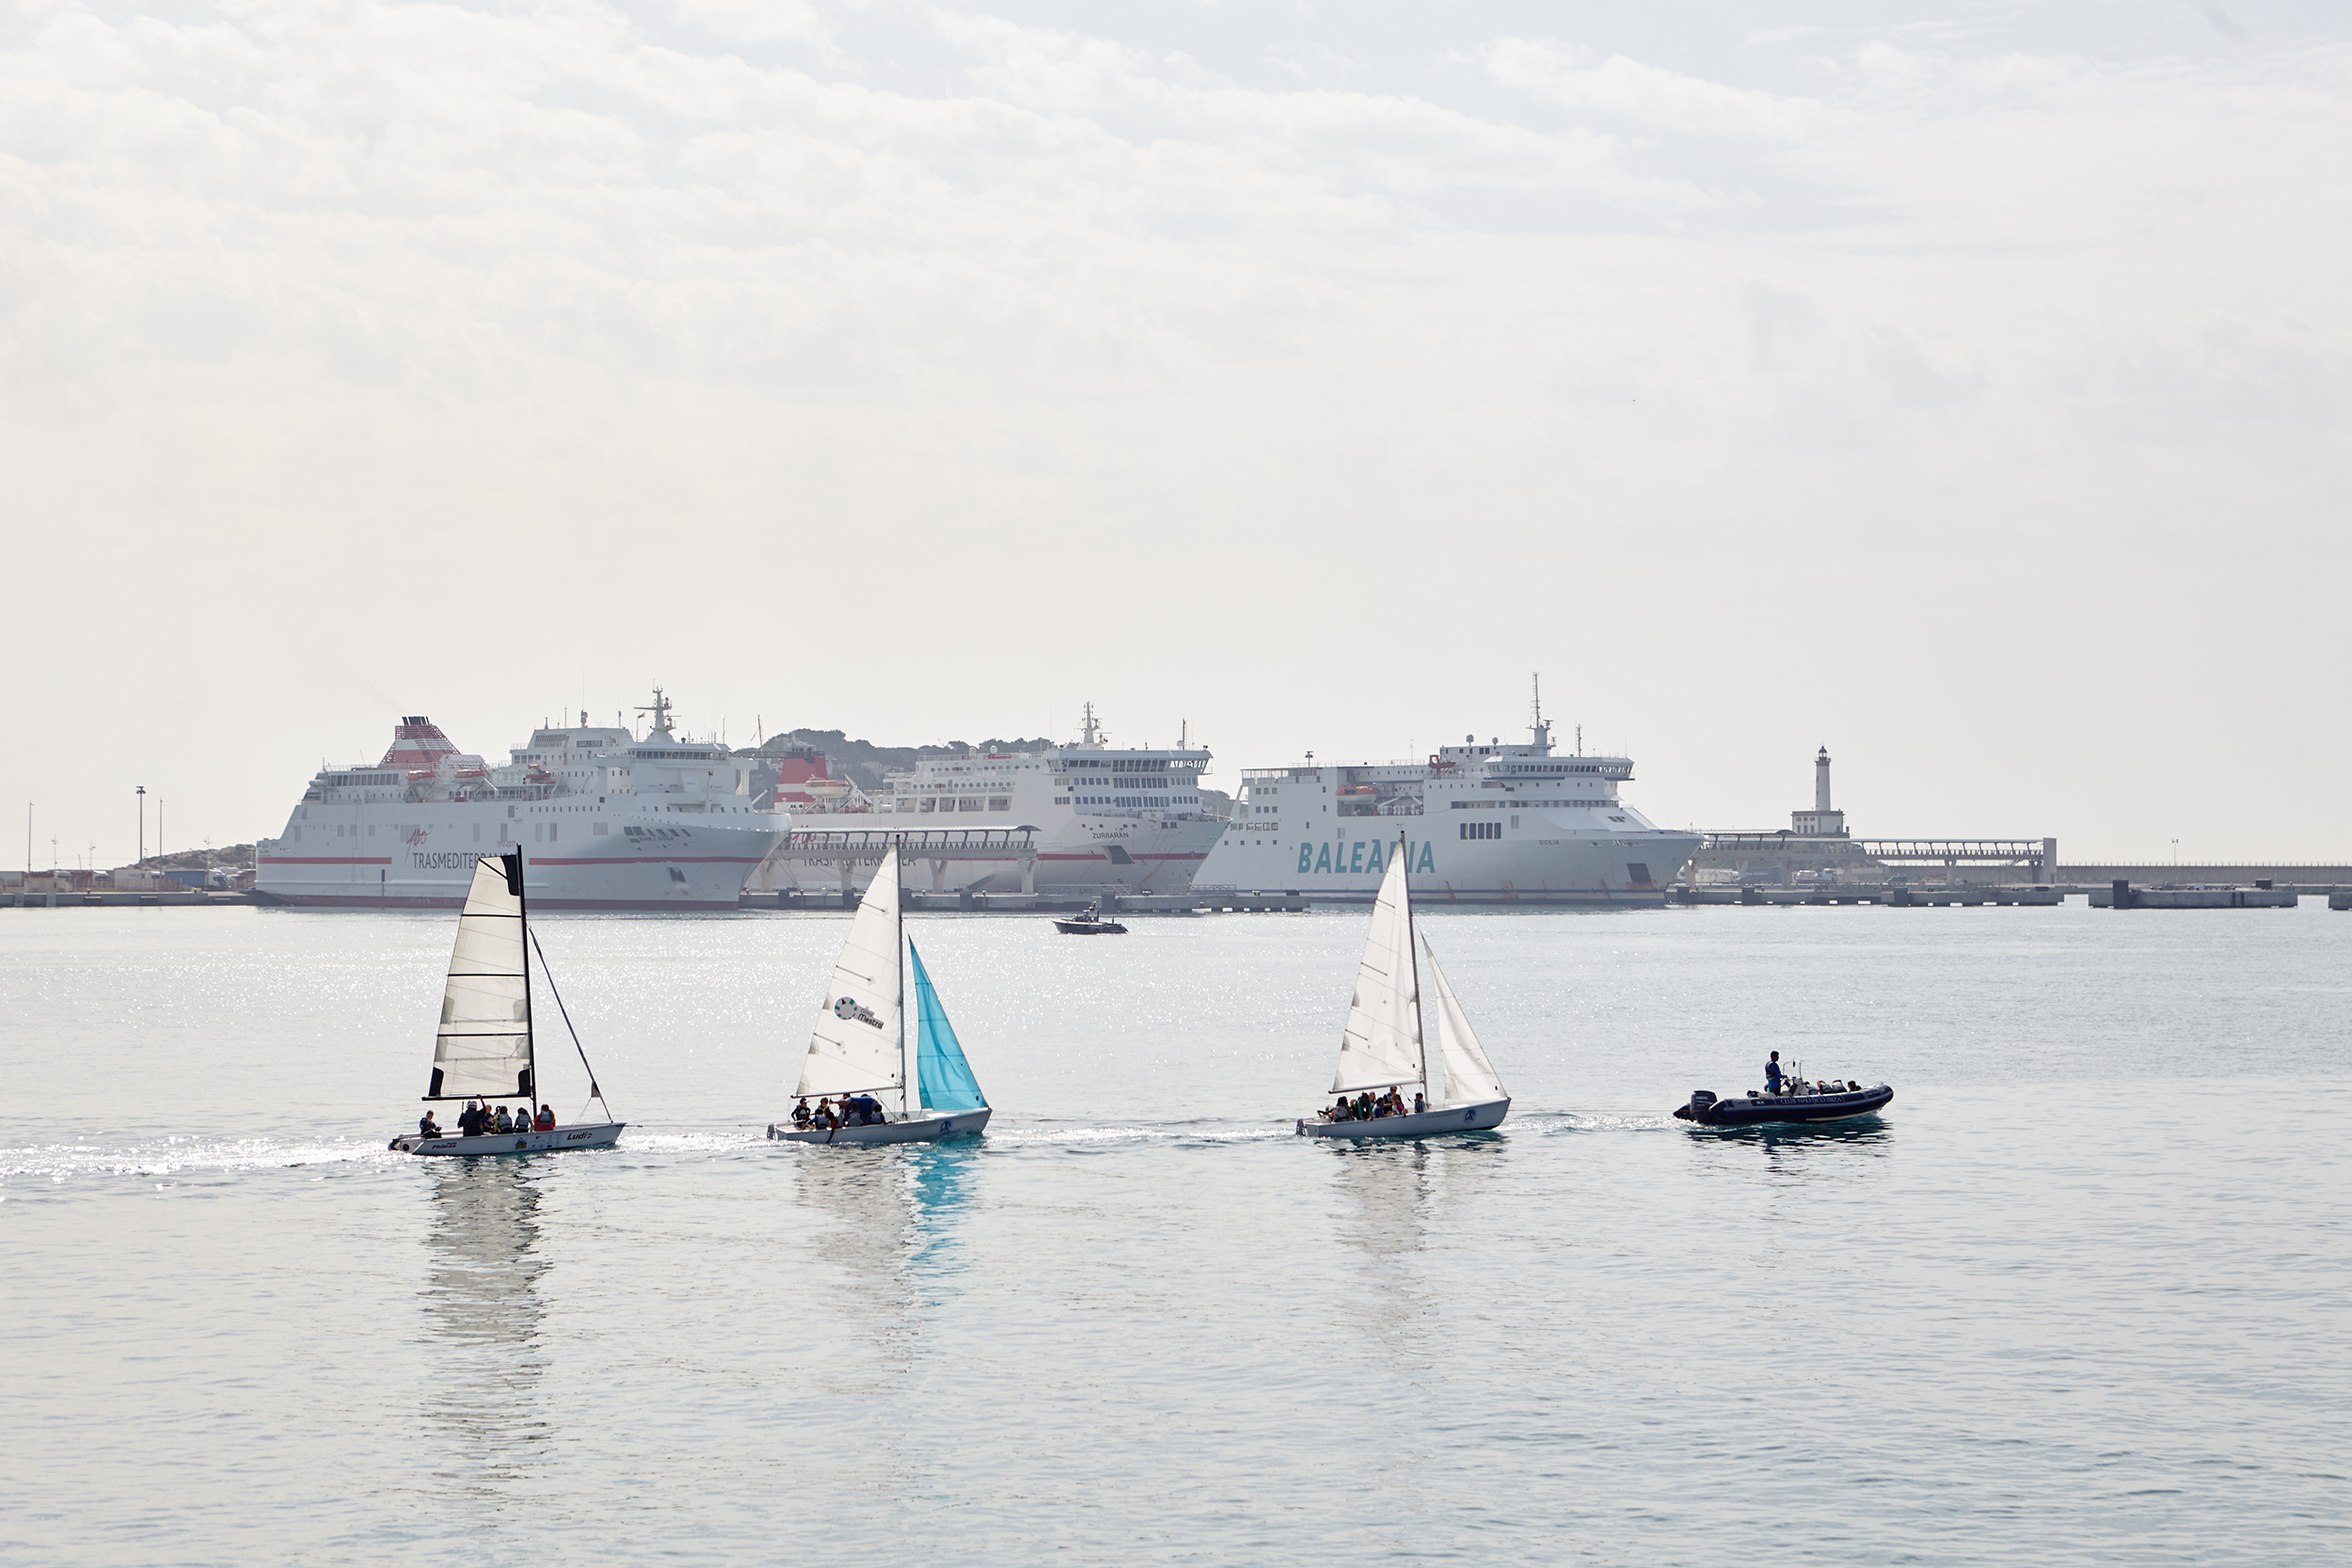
(1480, 823)
(605, 821)
(1105, 819)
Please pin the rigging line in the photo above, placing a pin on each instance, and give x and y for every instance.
(549, 975)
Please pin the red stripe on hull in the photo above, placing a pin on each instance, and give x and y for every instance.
(648, 859)
(329, 901)
(328, 860)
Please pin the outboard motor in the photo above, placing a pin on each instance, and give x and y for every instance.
(1702, 1101)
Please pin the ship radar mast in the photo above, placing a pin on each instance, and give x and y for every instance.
(1089, 733)
(660, 708)
(1542, 730)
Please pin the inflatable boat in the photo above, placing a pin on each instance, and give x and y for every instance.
(1795, 1102)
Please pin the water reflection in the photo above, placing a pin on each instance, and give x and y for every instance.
(892, 1214)
(1863, 1132)
(482, 1315)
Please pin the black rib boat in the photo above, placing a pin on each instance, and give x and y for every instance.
(1810, 1103)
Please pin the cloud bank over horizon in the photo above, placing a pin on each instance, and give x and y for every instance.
(1962, 391)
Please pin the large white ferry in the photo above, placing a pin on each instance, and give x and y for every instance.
(1480, 823)
(605, 821)
(1105, 819)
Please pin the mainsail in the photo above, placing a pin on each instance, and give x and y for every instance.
(1470, 1077)
(945, 1076)
(484, 1044)
(856, 1043)
(1382, 1043)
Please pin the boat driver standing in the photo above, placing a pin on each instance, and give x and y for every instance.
(1771, 1074)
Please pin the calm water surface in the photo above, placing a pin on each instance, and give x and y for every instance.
(2080, 1296)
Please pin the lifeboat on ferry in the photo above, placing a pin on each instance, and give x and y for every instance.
(1359, 793)
(825, 789)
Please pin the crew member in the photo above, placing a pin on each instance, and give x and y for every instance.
(1771, 1074)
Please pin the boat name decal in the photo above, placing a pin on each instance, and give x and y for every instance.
(1364, 856)
(443, 860)
(847, 1008)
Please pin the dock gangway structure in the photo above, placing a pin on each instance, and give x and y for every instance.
(845, 849)
(2034, 859)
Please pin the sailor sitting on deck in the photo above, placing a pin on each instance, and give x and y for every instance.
(800, 1116)
(427, 1127)
(1771, 1074)
(505, 1123)
(544, 1120)
(866, 1111)
(469, 1120)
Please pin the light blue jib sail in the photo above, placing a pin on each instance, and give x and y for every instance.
(946, 1078)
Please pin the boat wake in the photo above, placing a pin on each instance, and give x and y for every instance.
(182, 1156)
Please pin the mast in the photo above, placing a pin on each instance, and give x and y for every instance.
(910, 1091)
(1432, 1069)
(530, 1038)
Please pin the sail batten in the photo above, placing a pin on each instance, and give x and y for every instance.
(483, 1046)
(854, 1046)
(1381, 1045)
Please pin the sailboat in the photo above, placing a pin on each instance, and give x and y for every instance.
(1387, 1046)
(485, 1050)
(918, 1089)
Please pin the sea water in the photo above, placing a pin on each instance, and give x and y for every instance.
(2078, 1296)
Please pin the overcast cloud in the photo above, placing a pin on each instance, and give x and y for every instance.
(1966, 390)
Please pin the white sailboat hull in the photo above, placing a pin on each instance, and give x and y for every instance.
(960, 1124)
(1479, 1117)
(589, 1135)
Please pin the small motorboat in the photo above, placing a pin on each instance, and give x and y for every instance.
(1798, 1100)
(1089, 923)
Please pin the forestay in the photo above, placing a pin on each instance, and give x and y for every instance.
(1469, 1078)
(944, 1077)
(1382, 1042)
(484, 1048)
(855, 1045)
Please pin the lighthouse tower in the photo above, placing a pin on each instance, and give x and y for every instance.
(1821, 821)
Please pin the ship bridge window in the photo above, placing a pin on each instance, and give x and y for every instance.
(1000, 803)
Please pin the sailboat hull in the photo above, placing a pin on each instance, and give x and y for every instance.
(1478, 1118)
(554, 1140)
(962, 1124)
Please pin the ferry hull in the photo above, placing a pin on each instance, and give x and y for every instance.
(422, 861)
(1573, 870)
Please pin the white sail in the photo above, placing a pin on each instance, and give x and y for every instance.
(1469, 1078)
(856, 1043)
(485, 1043)
(1382, 1042)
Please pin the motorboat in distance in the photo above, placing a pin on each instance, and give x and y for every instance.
(1799, 1101)
(1091, 922)
(485, 1051)
(1386, 1047)
(860, 1055)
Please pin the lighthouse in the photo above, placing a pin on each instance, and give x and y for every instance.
(1823, 820)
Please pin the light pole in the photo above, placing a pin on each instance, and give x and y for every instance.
(142, 793)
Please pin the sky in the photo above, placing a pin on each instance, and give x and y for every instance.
(1961, 388)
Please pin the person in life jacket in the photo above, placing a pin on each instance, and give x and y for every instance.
(544, 1120)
